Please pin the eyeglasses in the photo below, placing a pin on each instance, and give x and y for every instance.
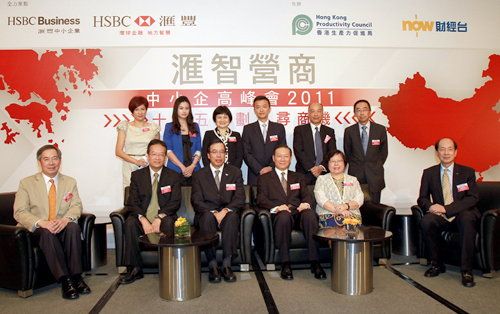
(339, 161)
(53, 159)
(362, 110)
(215, 152)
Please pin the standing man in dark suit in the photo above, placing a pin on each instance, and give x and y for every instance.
(218, 197)
(259, 140)
(365, 146)
(154, 198)
(311, 143)
(48, 205)
(285, 194)
(448, 193)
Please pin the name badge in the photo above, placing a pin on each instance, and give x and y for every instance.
(68, 197)
(462, 187)
(145, 130)
(230, 187)
(166, 189)
(347, 184)
(327, 139)
(232, 139)
(375, 142)
(295, 186)
(273, 138)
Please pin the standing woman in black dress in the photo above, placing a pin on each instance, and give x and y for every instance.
(232, 140)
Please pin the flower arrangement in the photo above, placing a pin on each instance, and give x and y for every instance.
(351, 225)
(354, 221)
(182, 229)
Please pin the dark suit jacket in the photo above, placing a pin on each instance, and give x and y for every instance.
(140, 192)
(234, 149)
(370, 168)
(205, 196)
(431, 191)
(258, 154)
(270, 193)
(303, 146)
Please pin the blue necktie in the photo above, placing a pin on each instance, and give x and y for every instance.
(364, 138)
(318, 147)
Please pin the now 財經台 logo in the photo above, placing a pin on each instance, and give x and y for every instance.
(439, 26)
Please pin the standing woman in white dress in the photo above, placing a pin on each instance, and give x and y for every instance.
(133, 138)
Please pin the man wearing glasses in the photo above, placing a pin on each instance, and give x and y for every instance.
(365, 146)
(218, 197)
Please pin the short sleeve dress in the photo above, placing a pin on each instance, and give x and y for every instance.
(136, 143)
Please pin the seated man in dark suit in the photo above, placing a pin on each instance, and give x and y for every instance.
(448, 192)
(312, 142)
(218, 197)
(284, 193)
(48, 205)
(259, 140)
(154, 198)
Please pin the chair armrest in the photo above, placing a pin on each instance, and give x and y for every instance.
(417, 212)
(246, 228)
(377, 214)
(119, 215)
(86, 222)
(490, 243)
(17, 261)
(266, 223)
(118, 221)
(417, 216)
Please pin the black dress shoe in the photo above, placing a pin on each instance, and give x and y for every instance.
(318, 271)
(214, 274)
(228, 274)
(468, 279)
(68, 290)
(132, 275)
(286, 271)
(80, 285)
(435, 270)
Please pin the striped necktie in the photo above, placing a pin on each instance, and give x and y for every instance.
(284, 183)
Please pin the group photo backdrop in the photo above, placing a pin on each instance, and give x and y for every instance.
(68, 70)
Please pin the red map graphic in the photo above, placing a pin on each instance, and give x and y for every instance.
(9, 135)
(418, 117)
(29, 74)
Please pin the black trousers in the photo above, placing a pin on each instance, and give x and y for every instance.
(133, 230)
(310, 178)
(283, 224)
(229, 228)
(63, 251)
(374, 195)
(466, 222)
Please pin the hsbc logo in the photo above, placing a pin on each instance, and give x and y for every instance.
(144, 20)
(110, 21)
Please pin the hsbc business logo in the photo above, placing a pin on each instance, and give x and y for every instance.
(144, 20)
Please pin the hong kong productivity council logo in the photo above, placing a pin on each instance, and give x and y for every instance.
(302, 25)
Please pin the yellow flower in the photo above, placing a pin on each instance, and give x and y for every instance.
(351, 221)
(181, 221)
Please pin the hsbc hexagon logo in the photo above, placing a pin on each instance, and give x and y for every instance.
(144, 20)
